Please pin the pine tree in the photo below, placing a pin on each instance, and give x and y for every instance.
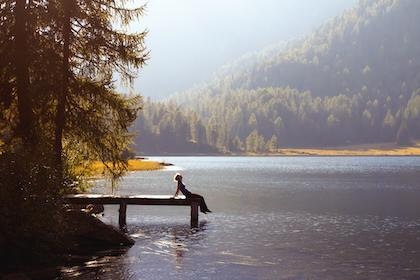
(58, 59)
(272, 145)
(93, 50)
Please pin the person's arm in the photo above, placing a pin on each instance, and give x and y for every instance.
(177, 191)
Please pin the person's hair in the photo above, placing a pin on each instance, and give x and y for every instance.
(176, 177)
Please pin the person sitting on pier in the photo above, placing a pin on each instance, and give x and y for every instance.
(181, 188)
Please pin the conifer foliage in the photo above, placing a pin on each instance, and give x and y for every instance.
(59, 107)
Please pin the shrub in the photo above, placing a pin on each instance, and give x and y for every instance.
(31, 210)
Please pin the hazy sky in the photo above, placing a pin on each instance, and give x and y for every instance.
(190, 39)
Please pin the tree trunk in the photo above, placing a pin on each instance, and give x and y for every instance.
(26, 125)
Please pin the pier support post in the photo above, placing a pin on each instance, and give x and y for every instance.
(194, 214)
(122, 219)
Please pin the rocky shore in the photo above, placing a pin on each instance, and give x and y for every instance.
(86, 235)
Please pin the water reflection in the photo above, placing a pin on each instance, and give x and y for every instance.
(90, 267)
(164, 243)
(168, 240)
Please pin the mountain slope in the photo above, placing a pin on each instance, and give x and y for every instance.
(354, 80)
(375, 44)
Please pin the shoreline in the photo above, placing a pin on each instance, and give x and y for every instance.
(363, 150)
(379, 149)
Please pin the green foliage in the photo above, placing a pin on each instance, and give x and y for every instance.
(57, 61)
(30, 203)
(165, 128)
(96, 118)
(255, 142)
(272, 144)
(98, 122)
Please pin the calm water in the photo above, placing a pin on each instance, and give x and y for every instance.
(273, 218)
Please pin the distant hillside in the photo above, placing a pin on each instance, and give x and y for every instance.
(354, 80)
(375, 45)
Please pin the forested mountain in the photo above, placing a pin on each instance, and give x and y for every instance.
(356, 79)
(166, 128)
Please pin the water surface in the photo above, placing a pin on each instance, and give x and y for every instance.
(273, 218)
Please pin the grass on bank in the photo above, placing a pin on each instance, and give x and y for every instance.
(97, 168)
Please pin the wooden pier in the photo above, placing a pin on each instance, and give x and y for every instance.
(123, 201)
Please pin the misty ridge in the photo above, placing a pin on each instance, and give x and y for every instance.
(191, 40)
(354, 80)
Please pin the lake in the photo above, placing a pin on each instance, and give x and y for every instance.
(273, 218)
